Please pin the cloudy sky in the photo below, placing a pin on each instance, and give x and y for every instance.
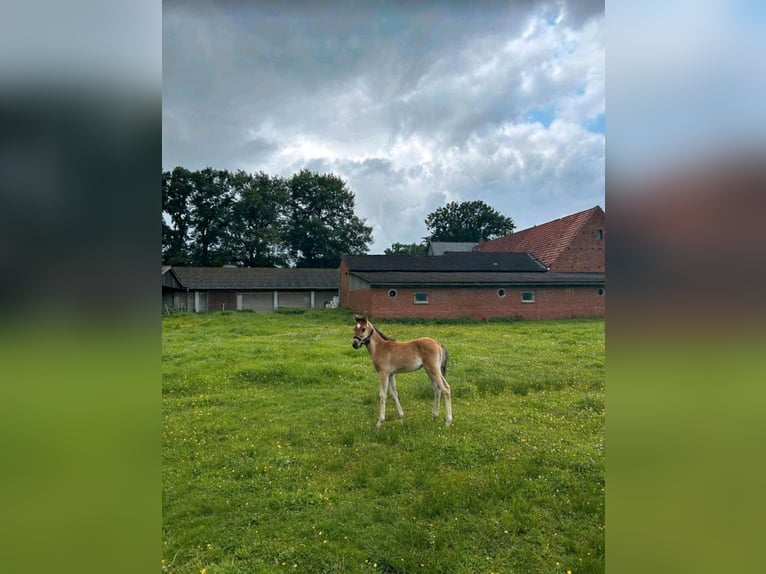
(412, 104)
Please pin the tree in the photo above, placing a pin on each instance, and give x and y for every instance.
(467, 221)
(322, 225)
(407, 249)
(177, 187)
(210, 214)
(258, 221)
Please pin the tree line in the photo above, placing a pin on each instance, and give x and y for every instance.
(213, 217)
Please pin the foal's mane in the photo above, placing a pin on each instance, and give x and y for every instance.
(382, 334)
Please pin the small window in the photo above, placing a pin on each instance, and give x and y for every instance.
(527, 296)
(501, 293)
(599, 234)
(392, 293)
(601, 291)
(421, 298)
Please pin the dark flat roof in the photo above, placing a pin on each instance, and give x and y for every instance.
(450, 263)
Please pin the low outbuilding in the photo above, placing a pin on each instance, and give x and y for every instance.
(261, 289)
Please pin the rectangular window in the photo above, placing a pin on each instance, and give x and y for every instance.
(421, 298)
(527, 296)
(599, 234)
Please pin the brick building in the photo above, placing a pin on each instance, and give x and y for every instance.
(575, 243)
(475, 285)
(549, 271)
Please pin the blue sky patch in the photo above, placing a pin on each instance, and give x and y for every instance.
(544, 115)
(595, 125)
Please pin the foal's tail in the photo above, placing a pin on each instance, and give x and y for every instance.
(444, 359)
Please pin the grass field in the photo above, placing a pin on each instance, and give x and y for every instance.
(272, 462)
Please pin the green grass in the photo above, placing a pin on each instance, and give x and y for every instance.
(272, 462)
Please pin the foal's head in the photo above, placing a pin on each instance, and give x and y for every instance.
(362, 331)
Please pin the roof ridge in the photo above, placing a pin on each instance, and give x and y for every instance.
(558, 219)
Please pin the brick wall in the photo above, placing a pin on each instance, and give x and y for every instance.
(586, 251)
(479, 303)
(359, 300)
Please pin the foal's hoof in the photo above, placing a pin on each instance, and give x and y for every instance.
(379, 424)
(448, 422)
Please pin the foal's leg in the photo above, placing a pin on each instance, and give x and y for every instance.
(441, 386)
(437, 398)
(447, 402)
(395, 396)
(382, 394)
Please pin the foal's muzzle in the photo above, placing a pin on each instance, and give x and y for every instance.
(356, 343)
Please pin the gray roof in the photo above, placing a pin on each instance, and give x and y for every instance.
(442, 247)
(479, 278)
(169, 278)
(244, 278)
(452, 263)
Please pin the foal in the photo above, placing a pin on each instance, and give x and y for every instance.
(390, 356)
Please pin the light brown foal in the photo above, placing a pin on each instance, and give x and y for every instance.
(390, 357)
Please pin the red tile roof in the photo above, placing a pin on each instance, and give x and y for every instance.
(546, 241)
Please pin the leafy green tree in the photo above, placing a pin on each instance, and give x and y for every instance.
(210, 212)
(467, 221)
(167, 238)
(321, 224)
(177, 188)
(258, 222)
(407, 249)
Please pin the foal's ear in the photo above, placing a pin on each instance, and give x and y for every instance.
(360, 318)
